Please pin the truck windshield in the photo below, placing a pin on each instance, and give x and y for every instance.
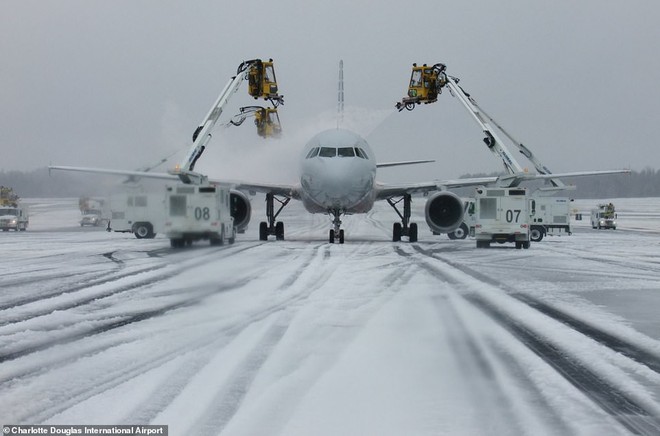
(8, 211)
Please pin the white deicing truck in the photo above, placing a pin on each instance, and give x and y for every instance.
(503, 215)
(603, 217)
(552, 217)
(198, 212)
(183, 212)
(13, 214)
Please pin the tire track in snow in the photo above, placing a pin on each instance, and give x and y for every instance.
(311, 276)
(167, 393)
(620, 345)
(103, 279)
(108, 381)
(114, 321)
(479, 373)
(229, 397)
(626, 410)
(221, 336)
(652, 267)
(79, 301)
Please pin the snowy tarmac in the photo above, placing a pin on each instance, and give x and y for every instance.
(302, 337)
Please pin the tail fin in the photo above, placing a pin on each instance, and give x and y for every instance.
(340, 95)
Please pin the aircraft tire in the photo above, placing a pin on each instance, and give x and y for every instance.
(412, 232)
(396, 232)
(279, 231)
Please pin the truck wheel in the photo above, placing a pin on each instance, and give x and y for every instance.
(518, 245)
(461, 232)
(143, 230)
(525, 245)
(536, 234)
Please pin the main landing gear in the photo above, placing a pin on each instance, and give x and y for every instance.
(336, 233)
(405, 227)
(271, 227)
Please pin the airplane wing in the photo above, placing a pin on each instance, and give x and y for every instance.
(164, 176)
(386, 191)
(291, 191)
(516, 178)
(408, 162)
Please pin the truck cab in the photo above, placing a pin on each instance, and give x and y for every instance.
(604, 217)
(13, 218)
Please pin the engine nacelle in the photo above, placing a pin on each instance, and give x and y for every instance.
(241, 209)
(444, 212)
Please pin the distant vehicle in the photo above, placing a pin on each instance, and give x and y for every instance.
(502, 215)
(92, 211)
(604, 217)
(13, 214)
(551, 217)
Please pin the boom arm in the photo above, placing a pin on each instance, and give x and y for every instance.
(202, 134)
(492, 140)
(542, 169)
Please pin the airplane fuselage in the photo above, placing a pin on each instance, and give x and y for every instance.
(338, 173)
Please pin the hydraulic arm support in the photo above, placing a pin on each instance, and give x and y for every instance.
(202, 135)
(492, 140)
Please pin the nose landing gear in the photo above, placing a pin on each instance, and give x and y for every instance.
(336, 233)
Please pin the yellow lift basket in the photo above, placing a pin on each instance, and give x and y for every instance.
(262, 82)
(268, 122)
(425, 85)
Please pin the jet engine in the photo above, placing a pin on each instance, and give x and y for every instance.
(241, 209)
(444, 212)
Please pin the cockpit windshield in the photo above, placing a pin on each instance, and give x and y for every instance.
(328, 152)
(346, 152)
(334, 152)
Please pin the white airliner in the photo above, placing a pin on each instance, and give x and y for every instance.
(338, 177)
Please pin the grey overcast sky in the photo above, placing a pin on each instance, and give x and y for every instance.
(123, 83)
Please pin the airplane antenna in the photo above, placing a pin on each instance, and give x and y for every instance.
(340, 95)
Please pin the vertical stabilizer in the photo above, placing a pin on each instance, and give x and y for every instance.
(340, 95)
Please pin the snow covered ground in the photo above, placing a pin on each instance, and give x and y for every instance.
(301, 337)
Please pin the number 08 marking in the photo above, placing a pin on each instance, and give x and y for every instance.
(204, 213)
